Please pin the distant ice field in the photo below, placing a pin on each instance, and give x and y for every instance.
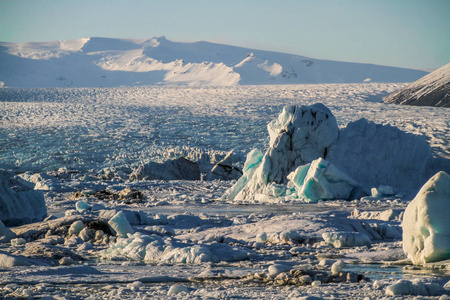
(96, 128)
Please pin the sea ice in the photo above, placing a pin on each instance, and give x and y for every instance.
(426, 225)
(19, 203)
(8, 261)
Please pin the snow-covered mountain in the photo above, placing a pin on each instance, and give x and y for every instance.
(431, 90)
(94, 62)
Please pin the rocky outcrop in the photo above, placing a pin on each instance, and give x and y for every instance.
(430, 90)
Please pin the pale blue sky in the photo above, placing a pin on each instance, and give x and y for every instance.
(403, 33)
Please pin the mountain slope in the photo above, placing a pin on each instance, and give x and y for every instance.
(93, 62)
(430, 90)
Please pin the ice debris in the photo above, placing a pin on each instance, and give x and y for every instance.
(177, 169)
(386, 215)
(382, 191)
(176, 289)
(426, 223)
(414, 287)
(337, 267)
(120, 224)
(346, 239)
(6, 234)
(224, 169)
(321, 180)
(81, 206)
(154, 248)
(19, 202)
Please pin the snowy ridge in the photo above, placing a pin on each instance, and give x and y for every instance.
(107, 62)
(431, 90)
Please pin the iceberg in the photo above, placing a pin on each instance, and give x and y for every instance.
(321, 180)
(310, 158)
(426, 225)
(120, 224)
(19, 202)
(378, 155)
(298, 136)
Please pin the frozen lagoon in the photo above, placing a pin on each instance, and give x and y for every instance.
(100, 135)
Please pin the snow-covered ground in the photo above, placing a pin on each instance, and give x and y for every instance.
(84, 143)
(108, 62)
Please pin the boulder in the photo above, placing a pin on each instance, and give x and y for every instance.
(19, 202)
(426, 223)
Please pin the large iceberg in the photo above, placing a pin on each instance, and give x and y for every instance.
(298, 136)
(19, 202)
(302, 137)
(426, 223)
(377, 155)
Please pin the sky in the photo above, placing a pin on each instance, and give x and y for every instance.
(402, 33)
